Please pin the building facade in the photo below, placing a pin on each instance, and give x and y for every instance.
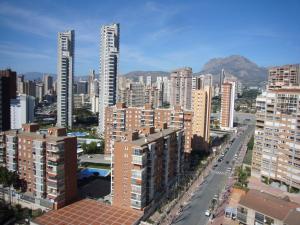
(21, 111)
(109, 64)
(46, 164)
(65, 76)
(201, 107)
(145, 167)
(227, 105)
(120, 119)
(8, 90)
(181, 88)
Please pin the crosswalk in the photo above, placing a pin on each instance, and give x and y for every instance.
(221, 172)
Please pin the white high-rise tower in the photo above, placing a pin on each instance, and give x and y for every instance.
(109, 63)
(65, 74)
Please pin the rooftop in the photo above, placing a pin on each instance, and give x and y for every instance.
(152, 137)
(87, 212)
(270, 205)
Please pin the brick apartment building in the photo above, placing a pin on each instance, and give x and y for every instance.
(120, 118)
(145, 166)
(227, 105)
(46, 163)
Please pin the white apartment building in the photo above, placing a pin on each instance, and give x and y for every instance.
(21, 111)
(65, 75)
(109, 63)
(181, 88)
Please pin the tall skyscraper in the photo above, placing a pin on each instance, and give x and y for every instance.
(227, 105)
(276, 153)
(181, 88)
(65, 74)
(109, 65)
(201, 107)
(8, 89)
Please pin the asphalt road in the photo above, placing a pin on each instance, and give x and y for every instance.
(194, 212)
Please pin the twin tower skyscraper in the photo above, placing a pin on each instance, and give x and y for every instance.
(109, 67)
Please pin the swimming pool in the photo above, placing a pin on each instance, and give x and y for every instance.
(87, 172)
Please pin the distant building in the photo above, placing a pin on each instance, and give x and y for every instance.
(166, 83)
(181, 88)
(21, 111)
(121, 118)
(82, 87)
(65, 76)
(8, 89)
(94, 104)
(39, 91)
(149, 81)
(47, 164)
(109, 63)
(48, 84)
(201, 107)
(227, 105)
(153, 96)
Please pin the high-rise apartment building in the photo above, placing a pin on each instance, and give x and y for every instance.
(227, 105)
(47, 164)
(166, 88)
(48, 84)
(201, 107)
(109, 63)
(21, 111)
(154, 96)
(8, 89)
(145, 166)
(276, 153)
(120, 118)
(283, 76)
(39, 91)
(181, 88)
(149, 80)
(65, 76)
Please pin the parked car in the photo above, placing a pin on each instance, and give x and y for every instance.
(207, 212)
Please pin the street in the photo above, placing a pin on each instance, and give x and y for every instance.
(194, 212)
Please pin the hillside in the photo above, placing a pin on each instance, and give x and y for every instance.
(242, 68)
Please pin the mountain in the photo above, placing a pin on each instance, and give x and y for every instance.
(134, 75)
(245, 70)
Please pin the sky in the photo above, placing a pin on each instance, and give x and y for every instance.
(155, 35)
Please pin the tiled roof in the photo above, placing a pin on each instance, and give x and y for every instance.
(267, 204)
(89, 212)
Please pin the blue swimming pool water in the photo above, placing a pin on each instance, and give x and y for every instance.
(87, 172)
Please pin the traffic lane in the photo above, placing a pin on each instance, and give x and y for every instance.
(194, 212)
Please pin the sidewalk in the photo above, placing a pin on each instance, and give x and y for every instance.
(186, 197)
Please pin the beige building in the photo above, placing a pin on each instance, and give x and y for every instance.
(145, 166)
(227, 105)
(181, 88)
(201, 107)
(260, 208)
(288, 75)
(276, 153)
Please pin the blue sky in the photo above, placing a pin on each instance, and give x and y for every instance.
(155, 35)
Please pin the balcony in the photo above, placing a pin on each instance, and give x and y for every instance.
(139, 159)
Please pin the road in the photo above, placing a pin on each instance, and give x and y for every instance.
(193, 213)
